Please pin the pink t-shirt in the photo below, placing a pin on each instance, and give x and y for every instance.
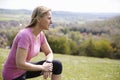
(24, 39)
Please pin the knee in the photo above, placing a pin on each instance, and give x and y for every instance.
(57, 67)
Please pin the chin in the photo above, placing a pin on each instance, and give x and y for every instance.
(46, 29)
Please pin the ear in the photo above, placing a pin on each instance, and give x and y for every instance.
(38, 19)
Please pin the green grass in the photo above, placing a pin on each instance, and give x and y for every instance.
(79, 67)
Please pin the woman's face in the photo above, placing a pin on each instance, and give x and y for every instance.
(45, 21)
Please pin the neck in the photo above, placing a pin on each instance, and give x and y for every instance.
(36, 30)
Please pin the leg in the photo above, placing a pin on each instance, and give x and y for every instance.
(22, 77)
(56, 77)
(30, 74)
(57, 70)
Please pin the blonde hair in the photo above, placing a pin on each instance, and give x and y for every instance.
(39, 11)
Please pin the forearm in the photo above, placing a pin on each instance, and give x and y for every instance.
(49, 57)
(30, 67)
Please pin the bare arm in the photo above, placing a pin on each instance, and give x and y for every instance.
(22, 64)
(48, 52)
(49, 57)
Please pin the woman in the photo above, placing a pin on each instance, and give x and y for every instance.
(26, 45)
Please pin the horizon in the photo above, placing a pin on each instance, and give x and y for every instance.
(68, 11)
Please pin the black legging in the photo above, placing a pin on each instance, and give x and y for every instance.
(57, 69)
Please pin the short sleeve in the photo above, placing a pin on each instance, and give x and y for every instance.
(42, 38)
(23, 41)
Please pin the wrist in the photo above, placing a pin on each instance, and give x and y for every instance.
(42, 68)
(47, 61)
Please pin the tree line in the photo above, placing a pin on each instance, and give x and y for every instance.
(98, 38)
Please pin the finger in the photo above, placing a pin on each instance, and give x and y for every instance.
(51, 64)
(46, 75)
(50, 74)
(51, 68)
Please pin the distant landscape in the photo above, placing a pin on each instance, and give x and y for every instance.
(83, 34)
(88, 41)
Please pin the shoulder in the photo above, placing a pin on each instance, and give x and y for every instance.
(42, 34)
(24, 32)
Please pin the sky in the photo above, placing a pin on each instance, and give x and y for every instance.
(105, 6)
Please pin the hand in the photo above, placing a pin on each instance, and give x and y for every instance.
(47, 75)
(47, 67)
(47, 70)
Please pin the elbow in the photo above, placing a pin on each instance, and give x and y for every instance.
(20, 65)
(49, 53)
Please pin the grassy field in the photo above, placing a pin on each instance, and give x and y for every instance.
(78, 67)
